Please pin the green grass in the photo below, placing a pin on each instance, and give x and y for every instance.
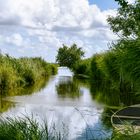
(82, 67)
(119, 136)
(27, 129)
(23, 72)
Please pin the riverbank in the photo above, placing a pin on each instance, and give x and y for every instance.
(23, 72)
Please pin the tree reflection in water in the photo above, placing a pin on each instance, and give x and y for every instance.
(68, 87)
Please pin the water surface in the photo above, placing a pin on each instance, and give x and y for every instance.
(65, 102)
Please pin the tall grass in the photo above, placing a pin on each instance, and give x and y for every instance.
(27, 129)
(82, 67)
(23, 72)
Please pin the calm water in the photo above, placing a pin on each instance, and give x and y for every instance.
(65, 102)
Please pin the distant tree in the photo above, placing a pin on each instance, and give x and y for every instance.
(68, 56)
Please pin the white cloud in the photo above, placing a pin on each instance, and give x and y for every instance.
(131, 1)
(43, 25)
(15, 39)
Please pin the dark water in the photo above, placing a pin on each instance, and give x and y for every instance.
(65, 102)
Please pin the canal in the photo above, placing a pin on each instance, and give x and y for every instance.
(67, 104)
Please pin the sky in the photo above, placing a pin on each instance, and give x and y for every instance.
(105, 4)
(37, 28)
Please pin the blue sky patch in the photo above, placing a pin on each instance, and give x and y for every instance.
(105, 4)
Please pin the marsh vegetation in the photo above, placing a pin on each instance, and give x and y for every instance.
(110, 81)
(22, 72)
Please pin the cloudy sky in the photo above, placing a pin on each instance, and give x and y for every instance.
(39, 27)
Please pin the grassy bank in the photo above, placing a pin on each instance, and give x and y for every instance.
(22, 72)
(27, 129)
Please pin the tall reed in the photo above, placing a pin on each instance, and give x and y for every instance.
(23, 71)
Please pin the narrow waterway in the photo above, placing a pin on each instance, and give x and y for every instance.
(66, 103)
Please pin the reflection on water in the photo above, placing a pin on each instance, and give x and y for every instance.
(5, 105)
(111, 95)
(65, 102)
(67, 87)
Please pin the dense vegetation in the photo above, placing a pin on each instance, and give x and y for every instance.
(23, 72)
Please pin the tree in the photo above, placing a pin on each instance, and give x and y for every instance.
(68, 56)
(127, 21)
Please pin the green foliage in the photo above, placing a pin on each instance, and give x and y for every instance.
(82, 67)
(27, 129)
(129, 52)
(127, 21)
(123, 3)
(96, 73)
(53, 68)
(6, 78)
(120, 136)
(23, 72)
(68, 56)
